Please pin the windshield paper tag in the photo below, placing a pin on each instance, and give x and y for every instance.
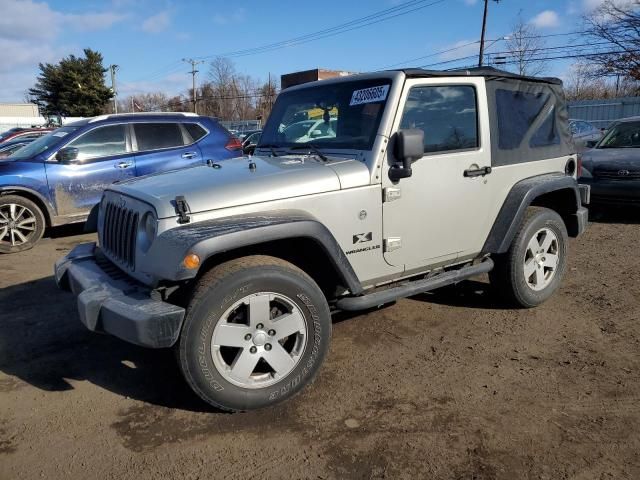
(59, 134)
(369, 95)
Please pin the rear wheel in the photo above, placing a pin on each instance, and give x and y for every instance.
(256, 332)
(533, 267)
(22, 224)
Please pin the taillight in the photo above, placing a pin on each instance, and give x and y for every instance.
(233, 143)
(579, 169)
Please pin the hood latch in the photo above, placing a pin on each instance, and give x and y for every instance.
(182, 208)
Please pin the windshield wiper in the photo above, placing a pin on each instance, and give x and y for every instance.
(312, 148)
(271, 147)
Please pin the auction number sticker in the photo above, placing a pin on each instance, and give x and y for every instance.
(369, 95)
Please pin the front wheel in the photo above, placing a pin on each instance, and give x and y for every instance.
(533, 267)
(22, 224)
(256, 331)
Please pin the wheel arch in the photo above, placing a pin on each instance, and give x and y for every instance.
(35, 197)
(294, 236)
(554, 191)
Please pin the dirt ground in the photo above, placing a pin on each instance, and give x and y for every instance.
(440, 386)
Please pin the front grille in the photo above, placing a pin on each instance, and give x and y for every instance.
(119, 232)
(618, 174)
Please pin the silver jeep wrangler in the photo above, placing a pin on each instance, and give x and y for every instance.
(363, 190)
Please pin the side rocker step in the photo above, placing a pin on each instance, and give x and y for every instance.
(378, 298)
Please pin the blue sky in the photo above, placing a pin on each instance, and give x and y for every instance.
(148, 38)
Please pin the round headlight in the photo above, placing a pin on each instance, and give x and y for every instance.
(149, 230)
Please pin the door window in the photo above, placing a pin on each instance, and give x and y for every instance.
(195, 131)
(101, 142)
(446, 114)
(155, 136)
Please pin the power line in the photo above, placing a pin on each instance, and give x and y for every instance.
(193, 78)
(512, 52)
(361, 22)
(475, 42)
(377, 17)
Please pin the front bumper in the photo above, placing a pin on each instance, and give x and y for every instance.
(111, 302)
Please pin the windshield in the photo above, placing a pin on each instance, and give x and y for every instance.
(622, 135)
(42, 144)
(339, 115)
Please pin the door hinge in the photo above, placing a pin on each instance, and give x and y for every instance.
(392, 243)
(391, 194)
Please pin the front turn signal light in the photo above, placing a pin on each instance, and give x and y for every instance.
(191, 261)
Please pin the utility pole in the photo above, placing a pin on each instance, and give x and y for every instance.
(113, 69)
(484, 28)
(193, 78)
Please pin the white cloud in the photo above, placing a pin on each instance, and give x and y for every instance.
(157, 23)
(237, 16)
(462, 48)
(581, 7)
(171, 84)
(546, 19)
(29, 30)
(89, 22)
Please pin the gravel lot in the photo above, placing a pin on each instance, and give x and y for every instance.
(448, 385)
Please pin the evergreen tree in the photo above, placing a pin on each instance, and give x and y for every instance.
(74, 87)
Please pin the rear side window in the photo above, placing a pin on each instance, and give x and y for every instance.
(517, 113)
(101, 142)
(446, 114)
(195, 131)
(154, 136)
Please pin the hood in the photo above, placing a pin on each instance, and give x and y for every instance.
(234, 183)
(611, 159)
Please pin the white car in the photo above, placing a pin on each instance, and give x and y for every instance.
(308, 130)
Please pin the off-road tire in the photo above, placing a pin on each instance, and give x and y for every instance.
(30, 218)
(508, 278)
(220, 289)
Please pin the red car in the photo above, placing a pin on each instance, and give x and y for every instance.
(20, 133)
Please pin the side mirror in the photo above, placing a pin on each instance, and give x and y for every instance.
(68, 155)
(409, 147)
(591, 143)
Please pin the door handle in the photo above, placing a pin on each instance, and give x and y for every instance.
(123, 165)
(477, 172)
(189, 155)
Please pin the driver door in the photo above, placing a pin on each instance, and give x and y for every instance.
(104, 157)
(440, 213)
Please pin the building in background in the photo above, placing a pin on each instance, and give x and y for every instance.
(296, 78)
(29, 110)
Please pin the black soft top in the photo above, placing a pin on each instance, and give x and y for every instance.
(488, 72)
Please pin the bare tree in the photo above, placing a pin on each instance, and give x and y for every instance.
(222, 74)
(617, 23)
(145, 102)
(583, 83)
(524, 45)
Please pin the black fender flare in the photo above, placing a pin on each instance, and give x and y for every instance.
(164, 260)
(520, 197)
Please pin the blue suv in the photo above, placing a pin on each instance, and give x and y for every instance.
(57, 178)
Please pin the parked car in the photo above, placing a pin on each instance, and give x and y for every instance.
(243, 135)
(584, 134)
(7, 148)
(430, 178)
(23, 133)
(307, 130)
(57, 178)
(612, 168)
(250, 141)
